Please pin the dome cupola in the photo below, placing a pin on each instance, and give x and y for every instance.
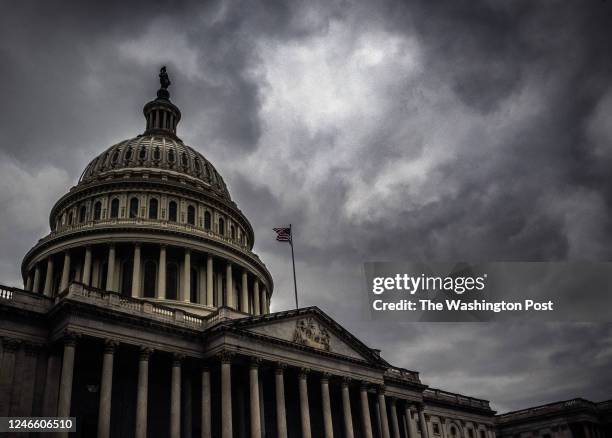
(162, 115)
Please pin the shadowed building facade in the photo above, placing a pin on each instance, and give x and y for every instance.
(145, 313)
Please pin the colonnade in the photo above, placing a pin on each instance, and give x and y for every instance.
(217, 281)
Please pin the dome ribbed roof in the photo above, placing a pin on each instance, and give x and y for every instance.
(157, 153)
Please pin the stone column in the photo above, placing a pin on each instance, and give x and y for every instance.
(226, 395)
(220, 290)
(65, 272)
(86, 277)
(161, 273)
(110, 271)
(175, 398)
(106, 389)
(206, 404)
(394, 422)
(52, 380)
(36, 284)
(244, 289)
(48, 291)
(28, 283)
(187, 276)
(186, 410)
(281, 413)
(229, 286)
(256, 305)
(365, 411)
(346, 406)
(7, 374)
(254, 398)
(325, 403)
(410, 423)
(65, 391)
(382, 405)
(209, 281)
(136, 272)
(264, 301)
(422, 423)
(304, 408)
(142, 393)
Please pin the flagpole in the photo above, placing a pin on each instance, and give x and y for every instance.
(293, 260)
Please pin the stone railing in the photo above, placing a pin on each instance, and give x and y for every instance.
(136, 306)
(557, 407)
(458, 399)
(14, 296)
(402, 374)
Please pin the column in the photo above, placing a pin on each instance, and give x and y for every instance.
(394, 422)
(187, 276)
(346, 406)
(209, 280)
(28, 284)
(264, 301)
(410, 423)
(36, 284)
(229, 286)
(142, 393)
(281, 413)
(65, 391)
(256, 308)
(175, 398)
(65, 272)
(206, 404)
(226, 395)
(186, 410)
(220, 302)
(52, 380)
(48, 291)
(304, 408)
(325, 403)
(422, 424)
(110, 271)
(382, 406)
(244, 289)
(365, 411)
(106, 389)
(161, 273)
(136, 272)
(86, 277)
(7, 374)
(254, 398)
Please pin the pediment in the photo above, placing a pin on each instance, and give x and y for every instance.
(312, 329)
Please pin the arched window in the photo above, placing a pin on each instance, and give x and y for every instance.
(207, 220)
(153, 203)
(232, 232)
(114, 208)
(97, 211)
(128, 155)
(172, 281)
(150, 275)
(133, 208)
(156, 153)
(172, 211)
(184, 161)
(171, 156)
(453, 431)
(127, 270)
(221, 226)
(82, 213)
(193, 285)
(143, 153)
(191, 215)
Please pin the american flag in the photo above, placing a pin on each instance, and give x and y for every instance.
(283, 234)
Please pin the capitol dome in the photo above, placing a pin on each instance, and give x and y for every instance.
(151, 218)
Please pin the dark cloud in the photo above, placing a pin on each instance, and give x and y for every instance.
(458, 130)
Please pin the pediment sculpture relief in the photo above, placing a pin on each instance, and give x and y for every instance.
(309, 332)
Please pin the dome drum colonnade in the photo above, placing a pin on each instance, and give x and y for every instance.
(151, 218)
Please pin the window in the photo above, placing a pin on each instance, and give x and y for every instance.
(82, 213)
(184, 161)
(470, 433)
(193, 285)
(191, 215)
(171, 156)
(153, 204)
(114, 208)
(232, 232)
(150, 275)
(97, 211)
(207, 220)
(453, 431)
(133, 208)
(102, 276)
(156, 154)
(127, 270)
(128, 155)
(171, 281)
(143, 153)
(436, 428)
(221, 226)
(172, 211)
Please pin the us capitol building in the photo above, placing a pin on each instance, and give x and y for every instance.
(145, 313)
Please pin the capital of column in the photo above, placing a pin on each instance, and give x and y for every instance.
(226, 356)
(380, 389)
(303, 373)
(364, 386)
(145, 353)
(11, 344)
(255, 362)
(110, 345)
(280, 367)
(32, 349)
(325, 377)
(346, 381)
(70, 338)
(177, 358)
(393, 401)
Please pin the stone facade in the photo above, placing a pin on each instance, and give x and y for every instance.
(145, 313)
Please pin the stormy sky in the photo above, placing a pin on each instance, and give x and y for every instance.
(475, 130)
